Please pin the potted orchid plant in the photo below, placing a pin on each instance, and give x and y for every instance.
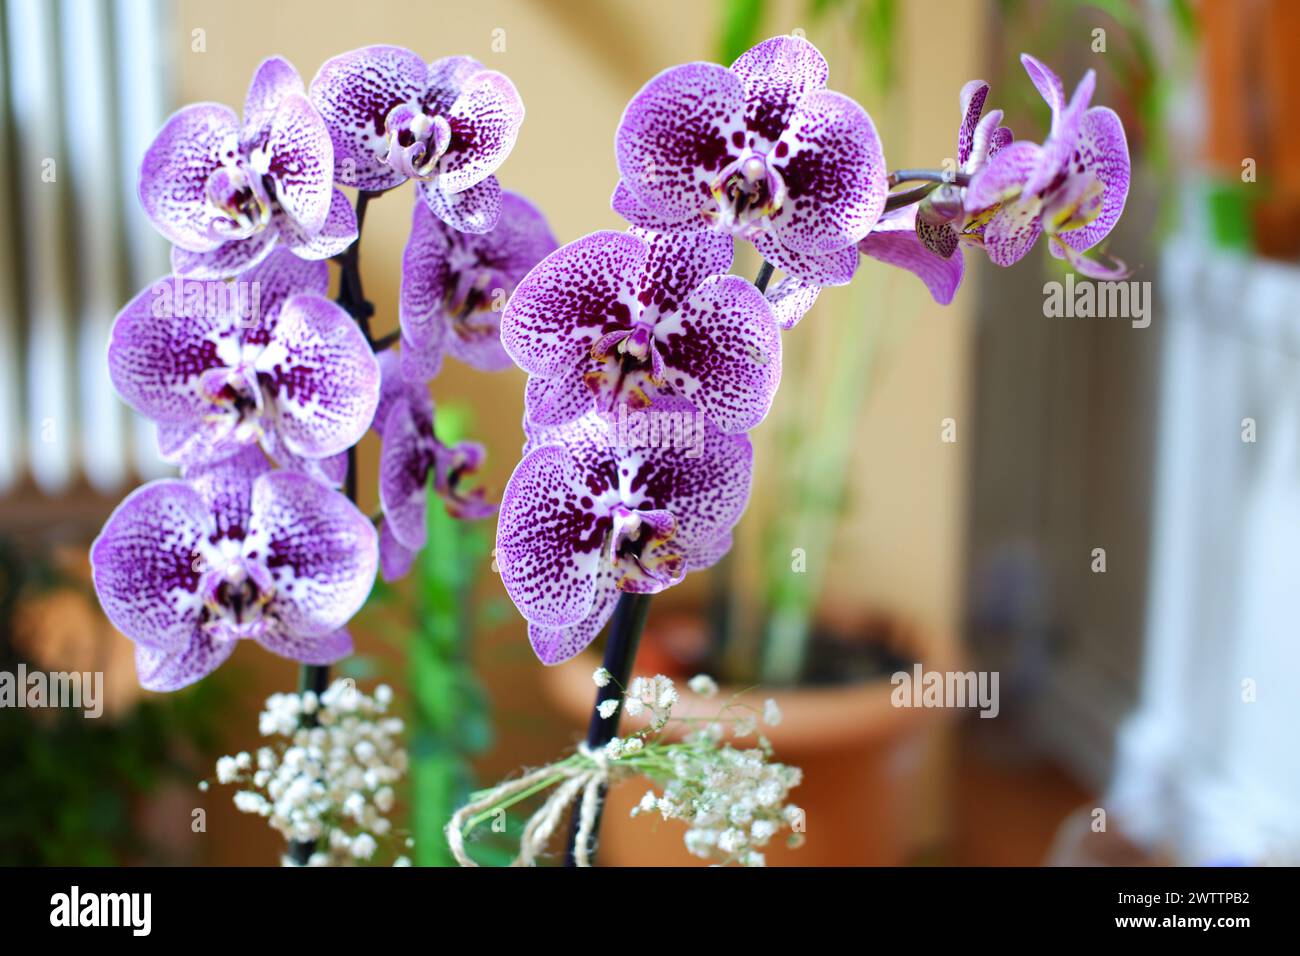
(648, 362)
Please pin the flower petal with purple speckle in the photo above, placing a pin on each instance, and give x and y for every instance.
(777, 75)
(454, 285)
(675, 136)
(175, 170)
(354, 93)
(485, 121)
(586, 512)
(894, 240)
(145, 564)
(722, 351)
(322, 555)
(321, 375)
(791, 300)
(300, 159)
(834, 174)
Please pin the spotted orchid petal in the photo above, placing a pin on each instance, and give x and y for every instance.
(791, 300)
(273, 81)
(321, 376)
(405, 462)
(895, 241)
(675, 135)
(163, 344)
(334, 237)
(777, 75)
(555, 645)
(834, 175)
(1103, 153)
(590, 505)
(626, 204)
(1062, 142)
(355, 92)
(1013, 230)
(554, 401)
(168, 670)
(1047, 83)
(549, 539)
(485, 121)
(973, 96)
(280, 276)
(322, 555)
(563, 305)
(228, 259)
(834, 268)
(454, 285)
(722, 352)
(475, 209)
(147, 563)
(301, 162)
(193, 144)
(395, 559)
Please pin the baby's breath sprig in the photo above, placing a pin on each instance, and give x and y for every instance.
(733, 801)
(331, 784)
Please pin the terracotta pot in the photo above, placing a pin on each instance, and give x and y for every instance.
(861, 756)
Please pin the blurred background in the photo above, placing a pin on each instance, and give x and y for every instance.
(1102, 513)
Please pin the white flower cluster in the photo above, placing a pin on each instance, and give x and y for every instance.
(331, 783)
(733, 801)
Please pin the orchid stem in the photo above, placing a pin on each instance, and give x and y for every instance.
(620, 654)
(352, 299)
(900, 176)
(764, 276)
(910, 196)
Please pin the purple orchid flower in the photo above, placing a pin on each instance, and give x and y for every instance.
(448, 124)
(586, 516)
(927, 238)
(226, 194)
(625, 318)
(761, 150)
(1073, 187)
(411, 453)
(263, 359)
(455, 284)
(186, 569)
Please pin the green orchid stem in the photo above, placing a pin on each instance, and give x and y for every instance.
(620, 654)
(927, 176)
(316, 677)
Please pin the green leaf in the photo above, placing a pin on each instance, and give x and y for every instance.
(741, 26)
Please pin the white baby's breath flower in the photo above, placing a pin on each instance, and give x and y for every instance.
(771, 713)
(633, 706)
(364, 846)
(601, 677)
(607, 708)
(704, 685)
(329, 783)
(631, 745)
